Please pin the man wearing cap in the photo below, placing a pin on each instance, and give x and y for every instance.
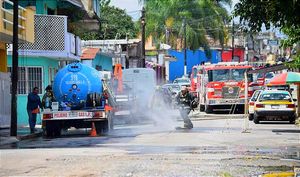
(184, 100)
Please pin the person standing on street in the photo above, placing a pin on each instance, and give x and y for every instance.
(33, 105)
(184, 100)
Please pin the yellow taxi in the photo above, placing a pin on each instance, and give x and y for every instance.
(274, 105)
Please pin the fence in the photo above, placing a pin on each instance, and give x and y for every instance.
(5, 100)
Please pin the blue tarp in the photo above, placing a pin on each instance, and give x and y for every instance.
(176, 68)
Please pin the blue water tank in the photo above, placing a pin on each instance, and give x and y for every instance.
(75, 81)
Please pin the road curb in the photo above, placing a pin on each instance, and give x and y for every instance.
(8, 140)
(30, 136)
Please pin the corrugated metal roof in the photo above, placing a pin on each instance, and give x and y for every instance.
(89, 53)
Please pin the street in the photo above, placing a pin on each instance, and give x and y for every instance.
(214, 147)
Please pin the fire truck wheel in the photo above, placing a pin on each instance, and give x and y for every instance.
(208, 109)
(202, 108)
(256, 119)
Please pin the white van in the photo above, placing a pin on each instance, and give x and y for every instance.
(142, 84)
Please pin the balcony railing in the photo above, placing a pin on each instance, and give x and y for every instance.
(52, 39)
(25, 25)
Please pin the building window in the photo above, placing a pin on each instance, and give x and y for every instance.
(29, 77)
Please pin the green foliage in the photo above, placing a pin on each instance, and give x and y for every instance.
(295, 63)
(203, 18)
(90, 36)
(116, 23)
(293, 36)
(278, 13)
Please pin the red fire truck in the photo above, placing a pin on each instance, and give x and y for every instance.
(220, 87)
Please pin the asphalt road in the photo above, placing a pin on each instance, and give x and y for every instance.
(215, 147)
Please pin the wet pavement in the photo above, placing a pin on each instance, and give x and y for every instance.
(213, 148)
(23, 133)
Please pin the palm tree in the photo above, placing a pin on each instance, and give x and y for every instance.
(203, 19)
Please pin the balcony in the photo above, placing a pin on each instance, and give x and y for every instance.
(26, 23)
(52, 40)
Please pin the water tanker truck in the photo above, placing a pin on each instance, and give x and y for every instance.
(80, 101)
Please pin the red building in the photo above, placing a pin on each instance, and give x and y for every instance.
(239, 54)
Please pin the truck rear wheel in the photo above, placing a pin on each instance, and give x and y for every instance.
(101, 127)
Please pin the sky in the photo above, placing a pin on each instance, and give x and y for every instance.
(133, 7)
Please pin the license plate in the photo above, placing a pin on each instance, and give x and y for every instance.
(275, 107)
(73, 115)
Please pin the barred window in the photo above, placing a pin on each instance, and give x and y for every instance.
(29, 77)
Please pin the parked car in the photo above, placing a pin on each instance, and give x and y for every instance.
(183, 82)
(265, 78)
(252, 102)
(175, 88)
(274, 105)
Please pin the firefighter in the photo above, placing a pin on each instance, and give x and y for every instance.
(184, 100)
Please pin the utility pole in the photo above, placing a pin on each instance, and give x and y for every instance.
(246, 120)
(143, 22)
(184, 31)
(14, 77)
(232, 42)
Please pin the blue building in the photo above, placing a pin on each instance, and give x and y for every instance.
(52, 48)
(176, 68)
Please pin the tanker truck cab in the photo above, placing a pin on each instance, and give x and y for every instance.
(81, 102)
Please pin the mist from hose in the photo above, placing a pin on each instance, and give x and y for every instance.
(147, 103)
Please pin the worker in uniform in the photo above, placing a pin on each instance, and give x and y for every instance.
(185, 101)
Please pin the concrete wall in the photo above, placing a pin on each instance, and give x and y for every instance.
(5, 100)
(43, 62)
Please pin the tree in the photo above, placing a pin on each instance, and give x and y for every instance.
(115, 23)
(278, 13)
(202, 18)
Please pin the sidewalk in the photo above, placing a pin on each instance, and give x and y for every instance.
(22, 134)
